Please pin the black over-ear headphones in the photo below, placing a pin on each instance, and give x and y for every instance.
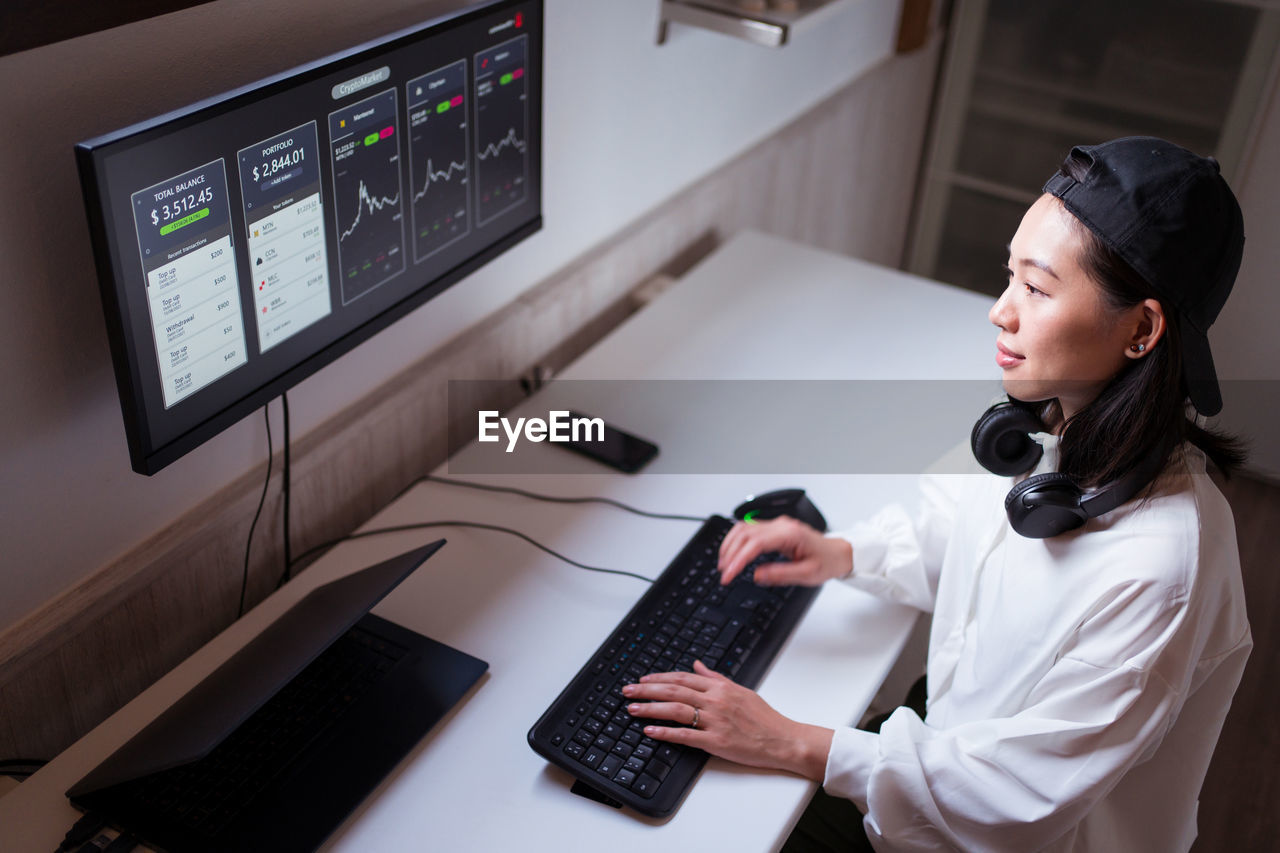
(1047, 504)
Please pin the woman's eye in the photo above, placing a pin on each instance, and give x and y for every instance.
(1032, 290)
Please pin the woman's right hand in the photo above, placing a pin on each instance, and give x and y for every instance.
(814, 558)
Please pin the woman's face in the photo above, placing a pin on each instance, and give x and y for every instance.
(1057, 338)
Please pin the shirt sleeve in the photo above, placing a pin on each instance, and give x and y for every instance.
(1020, 782)
(898, 557)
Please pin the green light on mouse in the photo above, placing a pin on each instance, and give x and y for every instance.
(750, 517)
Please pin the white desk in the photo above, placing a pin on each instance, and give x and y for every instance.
(759, 308)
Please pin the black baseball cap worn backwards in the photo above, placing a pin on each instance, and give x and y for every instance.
(1170, 215)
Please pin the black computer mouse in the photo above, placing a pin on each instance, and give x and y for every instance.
(790, 502)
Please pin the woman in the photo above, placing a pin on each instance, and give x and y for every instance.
(1077, 682)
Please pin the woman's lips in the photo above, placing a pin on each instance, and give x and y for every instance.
(1006, 357)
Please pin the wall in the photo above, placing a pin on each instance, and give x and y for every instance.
(1246, 348)
(626, 127)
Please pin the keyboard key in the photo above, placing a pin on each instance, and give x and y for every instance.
(658, 770)
(645, 785)
(634, 764)
(593, 757)
(729, 631)
(609, 766)
(710, 615)
(625, 777)
(574, 749)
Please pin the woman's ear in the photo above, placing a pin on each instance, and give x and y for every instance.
(1149, 325)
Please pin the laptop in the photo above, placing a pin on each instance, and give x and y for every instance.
(281, 742)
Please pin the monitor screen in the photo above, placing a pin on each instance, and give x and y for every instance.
(246, 241)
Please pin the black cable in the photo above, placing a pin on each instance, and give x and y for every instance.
(476, 524)
(552, 499)
(288, 561)
(244, 580)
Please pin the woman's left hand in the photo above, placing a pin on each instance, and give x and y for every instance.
(731, 721)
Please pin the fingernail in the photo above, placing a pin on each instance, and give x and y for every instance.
(633, 708)
(651, 730)
(628, 689)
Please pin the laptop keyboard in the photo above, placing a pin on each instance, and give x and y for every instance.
(685, 616)
(205, 795)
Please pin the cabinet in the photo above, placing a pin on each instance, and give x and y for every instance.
(1025, 81)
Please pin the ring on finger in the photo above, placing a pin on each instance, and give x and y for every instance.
(696, 714)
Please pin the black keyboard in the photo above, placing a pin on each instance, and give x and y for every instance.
(205, 794)
(685, 616)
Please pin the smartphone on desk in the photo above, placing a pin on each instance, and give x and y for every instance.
(617, 449)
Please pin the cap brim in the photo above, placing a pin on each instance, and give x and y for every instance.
(1198, 370)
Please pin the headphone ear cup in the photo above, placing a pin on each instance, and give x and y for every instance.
(1001, 440)
(1045, 505)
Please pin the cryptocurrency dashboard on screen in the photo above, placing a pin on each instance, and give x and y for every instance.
(246, 241)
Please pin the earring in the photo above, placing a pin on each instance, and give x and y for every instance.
(1138, 348)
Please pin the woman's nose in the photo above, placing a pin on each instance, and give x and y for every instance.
(1001, 313)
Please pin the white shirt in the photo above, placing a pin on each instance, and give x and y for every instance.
(1077, 685)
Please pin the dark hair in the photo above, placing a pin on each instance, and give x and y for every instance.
(1145, 404)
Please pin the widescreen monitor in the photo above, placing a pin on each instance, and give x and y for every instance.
(246, 241)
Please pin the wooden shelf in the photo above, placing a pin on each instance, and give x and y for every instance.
(995, 189)
(1135, 106)
(1055, 122)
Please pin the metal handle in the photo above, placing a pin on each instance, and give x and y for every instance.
(722, 19)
